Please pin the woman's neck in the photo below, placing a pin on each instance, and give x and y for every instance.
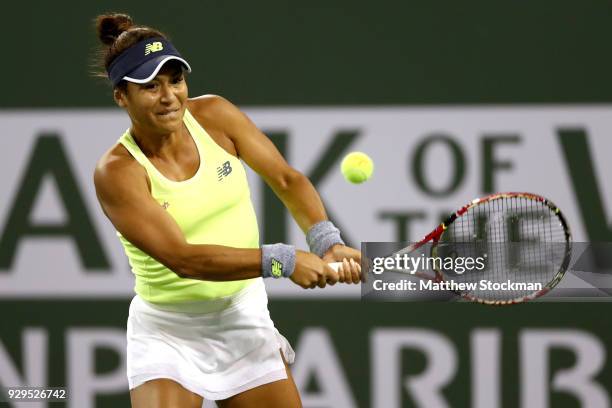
(157, 145)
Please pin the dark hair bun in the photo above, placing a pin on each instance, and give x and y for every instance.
(110, 26)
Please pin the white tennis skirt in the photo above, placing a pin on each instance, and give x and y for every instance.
(215, 349)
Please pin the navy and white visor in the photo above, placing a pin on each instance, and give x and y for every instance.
(142, 61)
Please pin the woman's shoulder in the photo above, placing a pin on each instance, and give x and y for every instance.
(217, 115)
(117, 165)
(208, 101)
(115, 158)
(211, 108)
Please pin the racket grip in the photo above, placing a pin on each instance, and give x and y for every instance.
(335, 265)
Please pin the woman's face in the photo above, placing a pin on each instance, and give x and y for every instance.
(157, 106)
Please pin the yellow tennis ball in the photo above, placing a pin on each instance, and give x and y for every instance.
(357, 167)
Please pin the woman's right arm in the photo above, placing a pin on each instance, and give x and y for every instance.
(123, 192)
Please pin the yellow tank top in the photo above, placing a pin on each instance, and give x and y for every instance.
(212, 207)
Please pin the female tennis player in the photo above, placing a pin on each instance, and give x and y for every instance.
(175, 189)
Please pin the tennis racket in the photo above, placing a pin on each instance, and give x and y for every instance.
(523, 237)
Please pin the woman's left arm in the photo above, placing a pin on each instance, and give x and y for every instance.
(293, 188)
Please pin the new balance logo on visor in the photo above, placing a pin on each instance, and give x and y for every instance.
(224, 170)
(153, 47)
(277, 268)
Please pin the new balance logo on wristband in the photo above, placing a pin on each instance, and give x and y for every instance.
(224, 170)
(277, 268)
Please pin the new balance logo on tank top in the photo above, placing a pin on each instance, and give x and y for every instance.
(212, 207)
(224, 170)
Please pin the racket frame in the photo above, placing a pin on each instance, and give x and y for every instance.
(435, 235)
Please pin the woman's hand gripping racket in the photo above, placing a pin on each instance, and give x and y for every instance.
(523, 237)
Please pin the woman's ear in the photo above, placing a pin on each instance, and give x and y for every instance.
(119, 97)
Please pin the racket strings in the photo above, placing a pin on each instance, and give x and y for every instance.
(521, 240)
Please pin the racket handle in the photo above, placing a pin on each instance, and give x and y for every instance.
(335, 265)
